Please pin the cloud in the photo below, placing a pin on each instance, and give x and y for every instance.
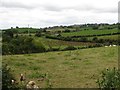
(106, 10)
(51, 7)
(15, 5)
(41, 13)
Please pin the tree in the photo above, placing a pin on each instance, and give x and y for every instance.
(9, 33)
(17, 27)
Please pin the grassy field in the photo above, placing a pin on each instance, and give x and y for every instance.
(90, 32)
(111, 37)
(66, 69)
(59, 43)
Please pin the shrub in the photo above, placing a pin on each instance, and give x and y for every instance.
(110, 79)
(70, 48)
(97, 45)
(83, 39)
(67, 30)
(6, 78)
(38, 34)
(22, 45)
(95, 39)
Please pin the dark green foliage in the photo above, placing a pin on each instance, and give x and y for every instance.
(95, 27)
(38, 34)
(70, 48)
(8, 34)
(83, 39)
(7, 78)
(53, 49)
(118, 26)
(21, 45)
(95, 39)
(110, 79)
(66, 30)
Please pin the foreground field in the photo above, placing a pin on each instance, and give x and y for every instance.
(66, 69)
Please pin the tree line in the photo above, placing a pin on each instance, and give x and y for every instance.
(14, 44)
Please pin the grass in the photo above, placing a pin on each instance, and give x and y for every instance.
(111, 37)
(59, 43)
(66, 69)
(90, 32)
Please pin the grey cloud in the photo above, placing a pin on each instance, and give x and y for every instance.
(15, 5)
(50, 7)
(106, 10)
(88, 8)
(96, 9)
(57, 8)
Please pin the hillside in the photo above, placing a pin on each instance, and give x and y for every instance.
(66, 69)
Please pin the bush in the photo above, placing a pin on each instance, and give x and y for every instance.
(95, 39)
(67, 30)
(70, 48)
(110, 79)
(38, 34)
(22, 45)
(83, 39)
(97, 45)
(6, 78)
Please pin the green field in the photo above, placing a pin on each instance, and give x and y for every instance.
(111, 37)
(66, 69)
(90, 32)
(59, 43)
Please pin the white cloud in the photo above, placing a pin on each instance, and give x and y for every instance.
(41, 13)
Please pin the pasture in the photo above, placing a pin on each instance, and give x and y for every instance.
(66, 69)
(59, 43)
(110, 37)
(90, 32)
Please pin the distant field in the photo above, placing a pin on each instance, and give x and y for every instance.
(25, 30)
(59, 43)
(90, 32)
(22, 30)
(111, 37)
(66, 69)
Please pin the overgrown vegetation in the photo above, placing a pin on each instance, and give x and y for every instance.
(9, 82)
(7, 78)
(19, 44)
(110, 79)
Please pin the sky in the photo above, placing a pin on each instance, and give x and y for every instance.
(45, 13)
